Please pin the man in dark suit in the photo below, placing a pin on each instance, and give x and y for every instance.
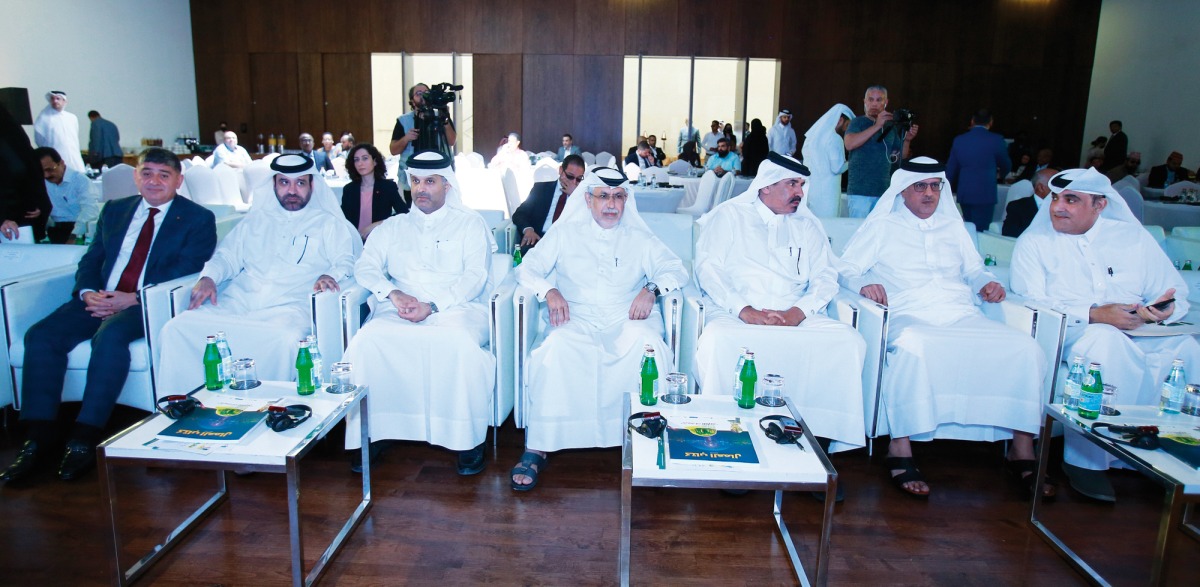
(1162, 176)
(1117, 146)
(140, 240)
(659, 155)
(643, 156)
(977, 158)
(1020, 212)
(545, 202)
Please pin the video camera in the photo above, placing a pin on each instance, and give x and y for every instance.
(431, 117)
(901, 122)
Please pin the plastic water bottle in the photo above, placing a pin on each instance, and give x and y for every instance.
(1173, 388)
(226, 357)
(737, 373)
(304, 369)
(318, 369)
(212, 366)
(1074, 384)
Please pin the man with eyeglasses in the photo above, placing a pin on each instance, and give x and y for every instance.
(951, 372)
(256, 287)
(1086, 255)
(600, 270)
(1131, 167)
(546, 202)
(764, 264)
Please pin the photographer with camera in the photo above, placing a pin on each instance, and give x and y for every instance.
(427, 127)
(877, 141)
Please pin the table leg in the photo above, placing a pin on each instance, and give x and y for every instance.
(823, 545)
(626, 505)
(297, 537)
(1172, 516)
(1187, 525)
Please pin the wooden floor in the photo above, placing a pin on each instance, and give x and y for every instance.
(429, 526)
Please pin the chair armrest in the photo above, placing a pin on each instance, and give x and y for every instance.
(691, 327)
(350, 315)
(527, 318)
(871, 320)
(1047, 326)
(501, 339)
(34, 297)
(505, 234)
(326, 308)
(158, 308)
(671, 307)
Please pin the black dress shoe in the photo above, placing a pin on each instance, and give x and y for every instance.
(24, 466)
(470, 462)
(78, 459)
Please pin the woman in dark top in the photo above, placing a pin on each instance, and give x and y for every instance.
(689, 154)
(754, 150)
(370, 197)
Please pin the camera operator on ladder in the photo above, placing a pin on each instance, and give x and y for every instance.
(877, 141)
(417, 130)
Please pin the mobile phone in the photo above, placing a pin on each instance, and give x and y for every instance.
(1163, 305)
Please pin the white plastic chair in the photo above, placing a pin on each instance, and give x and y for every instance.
(512, 194)
(633, 171)
(202, 185)
(117, 182)
(543, 173)
(679, 167)
(227, 181)
(605, 159)
(839, 231)
(391, 167)
(477, 160)
(704, 196)
(545, 154)
(724, 189)
(1134, 199)
(254, 175)
(339, 166)
(1016, 191)
(588, 158)
(1174, 189)
(1128, 180)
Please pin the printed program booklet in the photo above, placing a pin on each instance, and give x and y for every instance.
(711, 442)
(220, 425)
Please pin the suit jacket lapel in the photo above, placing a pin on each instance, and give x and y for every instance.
(165, 242)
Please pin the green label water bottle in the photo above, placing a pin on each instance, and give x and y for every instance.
(212, 366)
(748, 377)
(649, 376)
(1092, 393)
(304, 369)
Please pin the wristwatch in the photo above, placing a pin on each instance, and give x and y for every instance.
(652, 288)
(433, 308)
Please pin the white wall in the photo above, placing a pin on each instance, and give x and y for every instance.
(1147, 75)
(130, 60)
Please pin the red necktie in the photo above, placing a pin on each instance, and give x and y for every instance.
(137, 260)
(562, 201)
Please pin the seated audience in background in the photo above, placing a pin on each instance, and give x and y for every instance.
(320, 160)
(230, 153)
(256, 287)
(1096, 162)
(914, 255)
(1020, 212)
(1096, 150)
(422, 350)
(724, 160)
(641, 139)
(104, 142)
(509, 154)
(326, 153)
(69, 192)
(568, 148)
(143, 239)
(1087, 256)
(755, 148)
(1171, 172)
(658, 153)
(689, 154)
(1044, 158)
(546, 201)
(345, 144)
(643, 156)
(370, 197)
(770, 297)
(1131, 167)
(1022, 169)
(599, 269)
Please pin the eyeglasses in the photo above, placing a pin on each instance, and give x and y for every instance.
(936, 186)
(572, 178)
(614, 197)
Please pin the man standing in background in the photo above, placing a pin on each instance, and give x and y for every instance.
(977, 158)
(58, 129)
(104, 142)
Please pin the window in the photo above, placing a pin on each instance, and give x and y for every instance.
(392, 74)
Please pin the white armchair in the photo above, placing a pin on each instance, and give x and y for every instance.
(28, 301)
(117, 182)
(705, 194)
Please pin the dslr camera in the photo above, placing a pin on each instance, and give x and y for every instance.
(900, 123)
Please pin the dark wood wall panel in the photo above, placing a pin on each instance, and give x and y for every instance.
(273, 89)
(347, 106)
(498, 109)
(1029, 62)
(310, 89)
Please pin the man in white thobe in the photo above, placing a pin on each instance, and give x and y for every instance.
(824, 154)
(58, 129)
(764, 262)
(781, 137)
(914, 255)
(423, 352)
(258, 282)
(1087, 256)
(599, 269)
(230, 152)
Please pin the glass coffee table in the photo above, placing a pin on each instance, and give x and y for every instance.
(783, 467)
(266, 451)
(1181, 482)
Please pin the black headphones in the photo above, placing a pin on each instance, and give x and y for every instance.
(178, 406)
(781, 429)
(281, 418)
(649, 424)
(1136, 436)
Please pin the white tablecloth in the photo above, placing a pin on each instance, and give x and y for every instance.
(658, 199)
(691, 185)
(1168, 215)
(336, 185)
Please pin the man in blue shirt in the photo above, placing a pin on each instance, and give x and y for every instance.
(104, 142)
(69, 191)
(407, 130)
(873, 154)
(724, 161)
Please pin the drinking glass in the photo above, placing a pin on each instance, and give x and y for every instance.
(245, 376)
(1109, 401)
(677, 389)
(342, 378)
(771, 391)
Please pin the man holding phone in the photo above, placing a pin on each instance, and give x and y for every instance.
(1086, 255)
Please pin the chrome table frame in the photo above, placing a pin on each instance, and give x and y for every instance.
(1177, 506)
(628, 482)
(291, 468)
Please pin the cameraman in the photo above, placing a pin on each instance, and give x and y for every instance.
(876, 148)
(410, 124)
